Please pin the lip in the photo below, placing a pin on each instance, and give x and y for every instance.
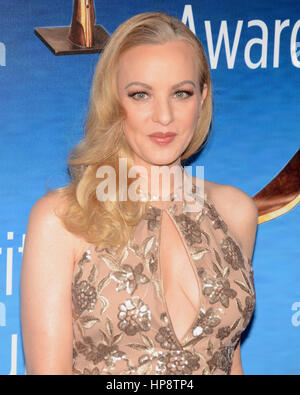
(162, 138)
(162, 135)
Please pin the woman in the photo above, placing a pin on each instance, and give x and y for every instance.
(140, 287)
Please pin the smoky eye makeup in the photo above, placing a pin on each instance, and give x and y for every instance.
(187, 93)
(137, 95)
(184, 93)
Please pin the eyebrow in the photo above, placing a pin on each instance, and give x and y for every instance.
(150, 88)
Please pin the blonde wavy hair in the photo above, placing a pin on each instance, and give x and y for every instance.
(111, 223)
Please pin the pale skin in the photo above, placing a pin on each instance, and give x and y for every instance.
(50, 252)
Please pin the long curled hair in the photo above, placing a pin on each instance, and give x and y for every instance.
(110, 223)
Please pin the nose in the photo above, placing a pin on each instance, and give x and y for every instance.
(162, 111)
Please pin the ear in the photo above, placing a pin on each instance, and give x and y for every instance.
(204, 94)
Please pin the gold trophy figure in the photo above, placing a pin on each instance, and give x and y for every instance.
(82, 29)
(281, 194)
(82, 37)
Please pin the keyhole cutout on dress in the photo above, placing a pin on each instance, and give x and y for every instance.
(180, 282)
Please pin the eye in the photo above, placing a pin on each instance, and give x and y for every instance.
(184, 94)
(138, 95)
(141, 95)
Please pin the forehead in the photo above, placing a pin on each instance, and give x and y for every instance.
(170, 61)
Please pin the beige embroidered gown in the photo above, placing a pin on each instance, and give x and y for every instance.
(174, 302)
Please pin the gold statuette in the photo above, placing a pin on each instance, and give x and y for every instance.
(82, 37)
(281, 194)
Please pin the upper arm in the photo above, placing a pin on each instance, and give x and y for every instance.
(46, 278)
(241, 214)
(244, 220)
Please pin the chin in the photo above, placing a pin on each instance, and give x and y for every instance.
(162, 161)
(156, 158)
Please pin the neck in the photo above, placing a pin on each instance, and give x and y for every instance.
(161, 181)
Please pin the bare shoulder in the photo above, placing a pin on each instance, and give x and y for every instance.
(238, 210)
(231, 200)
(43, 213)
(46, 289)
(44, 208)
(44, 221)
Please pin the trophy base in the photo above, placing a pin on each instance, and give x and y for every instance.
(56, 39)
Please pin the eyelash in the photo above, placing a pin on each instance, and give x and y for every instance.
(189, 93)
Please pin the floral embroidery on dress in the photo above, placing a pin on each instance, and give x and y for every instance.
(94, 372)
(84, 295)
(206, 322)
(218, 288)
(134, 316)
(232, 253)
(248, 310)
(190, 229)
(177, 363)
(213, 214)
(165, 338)
(129, 278)
(221, 359)
(120, 324)
(107, 350)
(225, 331)
(151, 216)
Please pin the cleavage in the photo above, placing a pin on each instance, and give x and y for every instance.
(179, 278)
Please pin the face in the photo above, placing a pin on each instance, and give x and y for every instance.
(158, 87)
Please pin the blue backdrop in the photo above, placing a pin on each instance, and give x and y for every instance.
(254, 52)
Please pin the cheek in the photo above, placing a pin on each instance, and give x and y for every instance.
(136, 113)
(138, 117)
(135, 117)
(189, 116)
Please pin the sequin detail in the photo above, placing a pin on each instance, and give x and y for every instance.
(120, 324)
